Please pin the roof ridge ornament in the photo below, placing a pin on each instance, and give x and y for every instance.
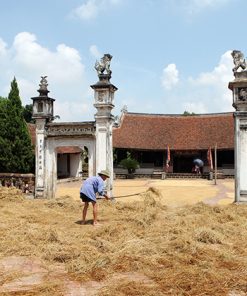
(124, 109)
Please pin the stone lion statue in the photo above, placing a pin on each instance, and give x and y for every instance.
(238, 60)
(104, 64)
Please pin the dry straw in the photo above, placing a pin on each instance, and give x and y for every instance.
(192, 250)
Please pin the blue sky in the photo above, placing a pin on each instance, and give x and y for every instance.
(168, 55)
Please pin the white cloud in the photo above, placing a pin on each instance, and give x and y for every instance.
(170, 76)
(211, 87)
(206, 93)
(26, 88)
(3, 46)
(222, 73)
(78, 109)
(27, 60)
(195, 107)
(92, 8)
(215, 83)
(95, 52)
(194, 7)
(87, 10)
(35, 59)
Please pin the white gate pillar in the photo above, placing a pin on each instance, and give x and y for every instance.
(40, 158)
(104, 103)
(51, 169)
(42, 113)
(239, 90)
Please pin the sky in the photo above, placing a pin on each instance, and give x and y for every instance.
(169, 56)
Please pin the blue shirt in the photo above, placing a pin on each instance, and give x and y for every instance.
(93, 185)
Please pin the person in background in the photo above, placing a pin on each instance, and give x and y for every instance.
(90, 187)
(197, 170)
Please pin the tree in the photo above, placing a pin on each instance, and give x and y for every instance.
(186, 113)
(28, 113)
(16, 151)
(5, 148)
(129, 163)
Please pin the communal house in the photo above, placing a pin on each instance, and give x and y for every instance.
(170, 142)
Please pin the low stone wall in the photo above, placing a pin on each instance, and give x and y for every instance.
(24, 182)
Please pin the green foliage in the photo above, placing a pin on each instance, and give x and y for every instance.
(114, 154)
(186, 113)
(28, 113)
(16, 151)
(129, 163)
(14, 96)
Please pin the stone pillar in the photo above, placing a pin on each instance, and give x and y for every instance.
(42, 113)
(40, 158)
(104, 99)
(50, 169)
(239, 90)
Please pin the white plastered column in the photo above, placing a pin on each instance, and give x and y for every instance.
(240, 157)
(104, 103)
(239, 91)
(40, 159)
(51, 169)
(104, 159)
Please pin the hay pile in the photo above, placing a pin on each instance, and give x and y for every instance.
(193, 250)
(11, 194)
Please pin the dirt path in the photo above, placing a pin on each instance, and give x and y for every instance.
(224, 194)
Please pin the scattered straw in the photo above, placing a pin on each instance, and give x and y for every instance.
(11, 194)
(192, 250)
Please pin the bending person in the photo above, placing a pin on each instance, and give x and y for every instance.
(90, 187)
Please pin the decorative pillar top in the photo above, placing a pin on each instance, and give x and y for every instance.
(239, 85)
(104, 89)
(43, 91)
(104, 64)
(239, 63)
(42, 104)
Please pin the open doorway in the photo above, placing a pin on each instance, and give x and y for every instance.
(68, 161)
(183, 163)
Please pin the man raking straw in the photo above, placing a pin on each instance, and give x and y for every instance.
(90, 187)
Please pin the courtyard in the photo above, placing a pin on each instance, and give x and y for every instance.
(174, 192)
(158, 237)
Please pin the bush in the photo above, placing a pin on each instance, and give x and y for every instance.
(130, 164)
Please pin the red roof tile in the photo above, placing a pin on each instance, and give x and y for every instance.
(68, 149)
(155, 131)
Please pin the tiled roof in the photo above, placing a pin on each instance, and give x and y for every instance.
(68, 149)
(156, 131)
